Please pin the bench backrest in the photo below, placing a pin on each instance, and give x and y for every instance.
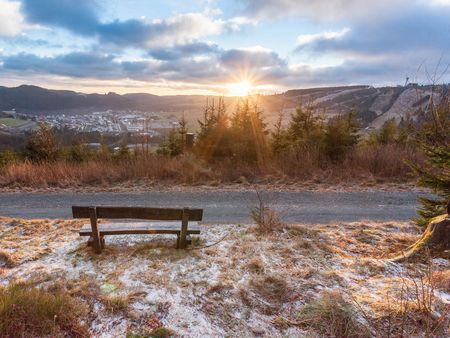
(160, 214)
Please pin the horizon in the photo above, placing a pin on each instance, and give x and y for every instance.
(224, 95)
(222, 47)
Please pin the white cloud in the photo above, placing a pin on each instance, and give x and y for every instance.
(237, 22)
(440, 2)
(323, 10)
(185, 27)
(306, 39)
(11, 20)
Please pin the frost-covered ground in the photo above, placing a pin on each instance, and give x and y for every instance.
(233, 281)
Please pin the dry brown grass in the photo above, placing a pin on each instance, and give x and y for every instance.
(368, 165)
(256, 265)
(27, 240)
(26, 311)
(332, 316)
(271, 287)
(266, 293)
(160, 332)
(441, 280)
(410, 307)
(66, 174)
(247, 284)
(115, 303)
(7, 259)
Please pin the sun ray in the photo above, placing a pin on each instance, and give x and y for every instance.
(242, 88)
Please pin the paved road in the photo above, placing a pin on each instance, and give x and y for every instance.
(226, 207)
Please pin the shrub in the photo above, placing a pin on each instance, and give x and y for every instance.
(79, 152)
(8, 157)
(266, 219)
(42, 145)
(26, 311)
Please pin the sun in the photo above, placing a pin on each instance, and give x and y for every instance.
(243, 88)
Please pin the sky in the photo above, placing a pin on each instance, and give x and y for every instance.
(224, 47)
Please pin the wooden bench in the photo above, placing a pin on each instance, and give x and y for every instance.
(97, 231)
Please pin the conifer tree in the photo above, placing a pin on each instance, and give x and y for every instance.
(306, 129)
(434, 173)
(213, 139)
(249, 133)
(341, 135)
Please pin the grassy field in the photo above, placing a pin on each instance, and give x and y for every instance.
(234, 281)
(9, 122)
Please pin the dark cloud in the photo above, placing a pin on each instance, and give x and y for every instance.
(216, 69)
(251, 58)
(73, 64)
(78, 16)
(184, 51)
(349, 72)
(213, 68)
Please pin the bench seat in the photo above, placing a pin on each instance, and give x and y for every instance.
(137, 228)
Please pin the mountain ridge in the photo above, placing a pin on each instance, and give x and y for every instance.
(373, 104)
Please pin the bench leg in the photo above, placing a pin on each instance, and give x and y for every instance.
(184, 227)
(90, 242)
(178, 241)
(95, 233)
(102, 242)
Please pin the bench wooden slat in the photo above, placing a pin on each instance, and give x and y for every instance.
(163, 214)
(106, 229)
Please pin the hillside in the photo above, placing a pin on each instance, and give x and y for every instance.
(374, 105)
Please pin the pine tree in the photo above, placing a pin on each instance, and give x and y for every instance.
(173, 145)
(249, 133)
(306, 129)
(213, 139)
(341, 135)
(434, 173)
(280, 140)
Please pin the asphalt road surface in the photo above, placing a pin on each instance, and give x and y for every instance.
(225, 206)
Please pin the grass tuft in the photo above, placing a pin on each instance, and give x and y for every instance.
(27, 311)
(441, 280)
(331, 316)
(7, 260)
(271, 287)
(256, 265)
(115, 303)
